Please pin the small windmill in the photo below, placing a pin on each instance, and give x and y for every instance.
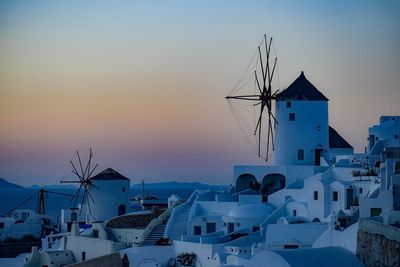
(84, 180)
(261, 97)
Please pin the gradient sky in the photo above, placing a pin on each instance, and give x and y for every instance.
(143, 82)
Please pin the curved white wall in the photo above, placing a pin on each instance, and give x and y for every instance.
(308, 131)
(107, 198)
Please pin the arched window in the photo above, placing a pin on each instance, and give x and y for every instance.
(121, 209)
(245, 181)
(272, 182)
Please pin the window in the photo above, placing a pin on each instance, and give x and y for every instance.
(371, 139)
(231, 227)
(360, 190)
(210, 227)
(294, 213)
(83, 255)
(285, 247)
(300, 154)
(288, 104)
(121, 209)
(95, 233)
(335, 195)
(292, 116)
(123, 189)
(396, 136)
(376, 212)
(256, 228)
(196, 230)
(315, 195)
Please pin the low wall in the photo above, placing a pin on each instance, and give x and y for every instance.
(378, 244)
(113, 259)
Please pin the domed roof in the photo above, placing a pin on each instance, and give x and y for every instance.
(249, 211)
(109, 174)
(301, 89)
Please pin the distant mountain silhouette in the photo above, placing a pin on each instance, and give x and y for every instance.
(5, 184)
(53, 186)
(194, 185)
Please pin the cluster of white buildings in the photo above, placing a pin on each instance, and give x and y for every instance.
(302, 210)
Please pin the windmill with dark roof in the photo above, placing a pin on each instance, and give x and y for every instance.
(298, 130)
(105, 195)
(302, 135)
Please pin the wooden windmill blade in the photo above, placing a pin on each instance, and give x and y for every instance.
(84, 181)
(262, 97)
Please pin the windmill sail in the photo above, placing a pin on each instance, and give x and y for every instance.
(83, 175)
(251, 102)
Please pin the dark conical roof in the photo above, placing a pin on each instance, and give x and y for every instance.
(336, 140)
(109, 174)
(301, 89)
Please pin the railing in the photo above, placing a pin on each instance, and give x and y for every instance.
(279, 212)
(155, 222)
(169, 229)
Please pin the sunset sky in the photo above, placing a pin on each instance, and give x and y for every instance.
(143, 82)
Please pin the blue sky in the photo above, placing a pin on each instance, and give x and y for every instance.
(143, 82)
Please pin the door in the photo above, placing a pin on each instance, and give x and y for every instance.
(231, 227)
(349, 197)
(318, 155)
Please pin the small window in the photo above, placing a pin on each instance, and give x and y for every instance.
(288, 104)
(360, 190)
(231, 227)
(285, 247)
(83, 255)
(294, 213)
(315, 195)
(196, 230)
(376, 212)
(300, 154)
(210, 227)
(292, 116)
(396, 136)
(95, 233)
(123, 189)
(256, 228)
(335, 195)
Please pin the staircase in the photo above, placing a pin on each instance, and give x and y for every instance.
(156, 234)
(179, 222)
(110, 235)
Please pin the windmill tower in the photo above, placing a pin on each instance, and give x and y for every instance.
(105, 195)
(111, 191)
(297, 131)
(302, 134)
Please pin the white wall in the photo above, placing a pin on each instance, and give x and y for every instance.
(107, 197)
(388, 127)
(308, 131)
(93, 247)
(346, 239)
